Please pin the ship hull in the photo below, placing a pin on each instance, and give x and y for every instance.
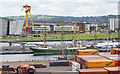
(52, 51)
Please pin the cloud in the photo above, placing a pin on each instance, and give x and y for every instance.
(55, 7)
(59, 0)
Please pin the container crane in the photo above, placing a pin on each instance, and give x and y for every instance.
(27, 11)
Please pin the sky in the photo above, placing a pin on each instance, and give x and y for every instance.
(76, 8)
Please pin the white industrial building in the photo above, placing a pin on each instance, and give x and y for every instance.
(87, 27)
(65, 28)
(16, 27)
(56, 28)
(114, 24)
(40, 28)
(10, 27)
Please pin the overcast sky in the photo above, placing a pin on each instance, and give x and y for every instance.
(58, 7)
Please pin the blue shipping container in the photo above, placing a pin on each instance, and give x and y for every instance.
(59, 64)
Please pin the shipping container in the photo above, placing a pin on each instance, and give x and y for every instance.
(92, 58)
(114, 57)
(59, 63)
(75, 66)
(87, 52)
(99, 63)
(115, 51)
(113, 70)
(92, 71)
(79, 57)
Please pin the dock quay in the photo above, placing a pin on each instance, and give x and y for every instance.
(15, 52)
(85, 62)
(60, 69)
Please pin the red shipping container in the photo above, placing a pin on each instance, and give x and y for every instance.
(117, 62)
(92, 71)
(114, 51)
(118, 51)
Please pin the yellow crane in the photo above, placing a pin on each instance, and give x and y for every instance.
(27, 11)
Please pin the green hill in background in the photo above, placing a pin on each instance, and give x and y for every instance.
(66, 19)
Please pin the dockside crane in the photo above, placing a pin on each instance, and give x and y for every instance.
(27, 11)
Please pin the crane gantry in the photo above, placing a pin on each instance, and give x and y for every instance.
(27, 11)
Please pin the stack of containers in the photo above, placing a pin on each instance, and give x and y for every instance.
(98, 63)
(92, 71)
(115, 51)
(75, 66)
(60, 63)
(94, 61)
(113, 70)
(114, 57)
(85, 52)
(84, 60)
(79, 58)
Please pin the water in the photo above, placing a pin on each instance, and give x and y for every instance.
(27, 57)
(30, 57)
(51, 43)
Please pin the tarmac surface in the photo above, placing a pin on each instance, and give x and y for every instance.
(44, 62)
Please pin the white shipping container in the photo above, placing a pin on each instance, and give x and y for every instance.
(75, 66)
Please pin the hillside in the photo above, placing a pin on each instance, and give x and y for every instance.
(66, 19)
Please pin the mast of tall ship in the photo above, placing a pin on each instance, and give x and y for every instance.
(74, 34)
(108, 34)
(62, 36)
(44, 31)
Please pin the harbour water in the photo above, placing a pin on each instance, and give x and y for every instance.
(31, 57)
